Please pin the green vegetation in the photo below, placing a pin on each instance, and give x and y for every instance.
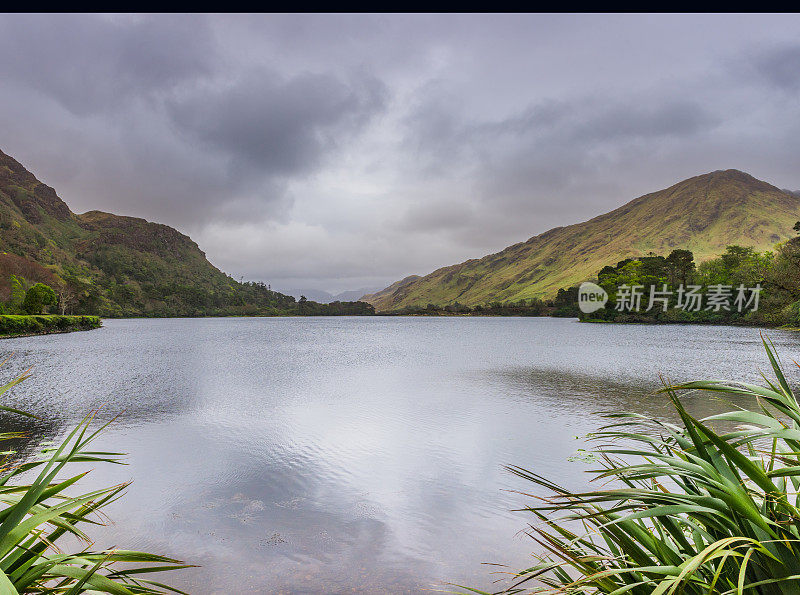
(306, 307)
(22, 314)
(734, 272)
(691, 509)
(562, 305)
(37, 297)
(703, 214)
(15, 324)
(533, 307)
(36, 517)
(736, 267)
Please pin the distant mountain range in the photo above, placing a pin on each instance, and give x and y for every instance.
(324, 297)
(704, 214)
(112, 265)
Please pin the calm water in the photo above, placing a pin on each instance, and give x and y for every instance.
(332, 455)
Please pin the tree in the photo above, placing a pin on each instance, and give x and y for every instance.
(797, 227)
(735, 255)
(37, 297)
(783, 277)
(681, 265)
(66, 299)
(17, 294)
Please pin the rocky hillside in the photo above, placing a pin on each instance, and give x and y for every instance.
(111, 265)
(703, 214)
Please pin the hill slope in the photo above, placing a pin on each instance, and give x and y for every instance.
(108, 264)
(703, 214)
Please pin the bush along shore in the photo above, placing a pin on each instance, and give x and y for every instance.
(26, 299)
(20, 325)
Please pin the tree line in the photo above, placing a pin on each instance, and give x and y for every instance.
(740, 286)
(243, 299)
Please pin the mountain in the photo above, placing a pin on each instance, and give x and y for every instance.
(112, 265)
(325, 297)
(353, 294)
(704, 214)
(318, 295)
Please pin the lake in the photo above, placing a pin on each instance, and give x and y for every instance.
(341, 455)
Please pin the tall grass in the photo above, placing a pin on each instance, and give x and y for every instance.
(35, 516)
(689, 508)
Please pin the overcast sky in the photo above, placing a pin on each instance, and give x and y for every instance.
(337, 152)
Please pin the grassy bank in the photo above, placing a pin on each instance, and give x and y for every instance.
(13, 325)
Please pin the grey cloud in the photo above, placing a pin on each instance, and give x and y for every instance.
(278, 126)
(435, 216)
(165, 126)
(88, 63)
(553, 153)
(548, 142)
(780, 66)
(646, 119)
(434, 129)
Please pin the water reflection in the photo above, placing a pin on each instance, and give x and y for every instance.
(341, 455)
(576, 393)
(30, 434)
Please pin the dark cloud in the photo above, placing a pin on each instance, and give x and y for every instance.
(278, 126)
(90, 63)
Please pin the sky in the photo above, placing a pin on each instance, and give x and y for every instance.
(337, 152)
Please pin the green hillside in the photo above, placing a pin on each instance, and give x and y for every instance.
(703, 214)
(110, 265)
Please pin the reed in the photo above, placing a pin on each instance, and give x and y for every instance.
(35, 517)
(706, 506)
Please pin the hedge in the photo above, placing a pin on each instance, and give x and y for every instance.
(11, 324)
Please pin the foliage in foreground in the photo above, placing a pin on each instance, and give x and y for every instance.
(33, 517)
(690, 509)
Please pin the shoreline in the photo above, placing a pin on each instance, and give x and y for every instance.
(53, 332)
(21, 325)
